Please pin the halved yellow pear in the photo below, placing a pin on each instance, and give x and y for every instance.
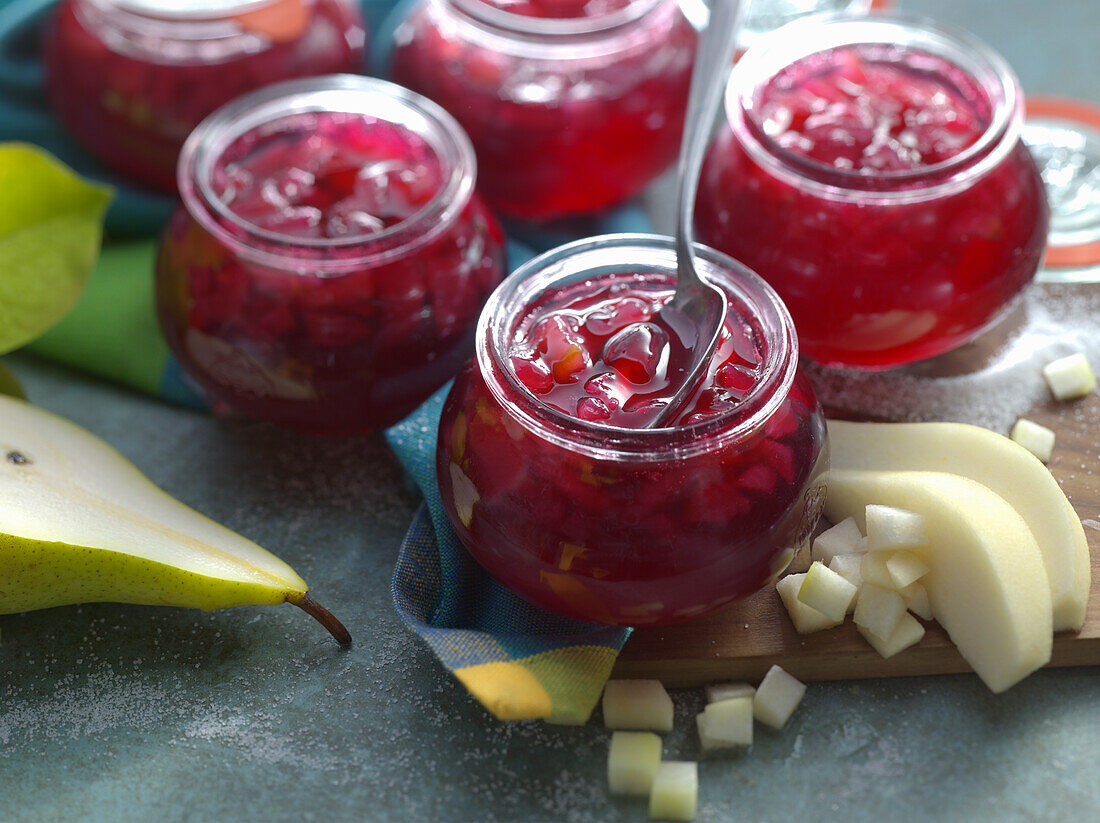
(987, 582)
(1003, 466)
(79, 523)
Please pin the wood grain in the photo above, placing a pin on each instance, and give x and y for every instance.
(744, 641)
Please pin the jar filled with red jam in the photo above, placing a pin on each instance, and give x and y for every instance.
(330, 258)
(572, 105)
(872, 171)
(556, 482)
(130, 79)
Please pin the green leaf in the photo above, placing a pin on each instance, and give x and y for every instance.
(51, 224)
(9, 383)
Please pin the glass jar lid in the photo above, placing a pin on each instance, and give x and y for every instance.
(1064, 138)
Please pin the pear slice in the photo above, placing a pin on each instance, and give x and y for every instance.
(1004, 467)
(79, 523)
(986, 580)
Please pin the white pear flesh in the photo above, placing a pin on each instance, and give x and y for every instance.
(776, 698)
(79, 523)
(805, 619)
(986, 582)
(675, 792)
(826, 591)
(908, 632)
(641, 705)
(1006, 468)
(632, 762)
(843, 538)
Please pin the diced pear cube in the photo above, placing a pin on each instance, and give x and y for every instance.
(916, 600)
(727, 723)
(847, 566)
(727, 691)
(1039, 440)
(826, 591)
(637, 704)
(873, 569)
(843, 538)
(777, 696)
(878, 610)
(806, 620)
(906, 633)
(675, 791)
(1070, 377)
(632, 762)
(893, 528)
(905, 567)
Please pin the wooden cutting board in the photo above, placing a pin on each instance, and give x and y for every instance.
(744, 641)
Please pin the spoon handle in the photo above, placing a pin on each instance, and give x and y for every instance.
(716, 46)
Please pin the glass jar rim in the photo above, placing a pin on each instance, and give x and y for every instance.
(646, 254)
(342, 93)
(806, 37)
(502, 21)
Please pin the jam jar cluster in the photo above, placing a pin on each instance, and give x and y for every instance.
(555, 481)
(872, 171)
(330, 258)
(572, 105)
(130, 79)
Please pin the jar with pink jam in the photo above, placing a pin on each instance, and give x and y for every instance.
(130, 79)
(572, 105)
(553, 478)
(327, 266)
(871, 170)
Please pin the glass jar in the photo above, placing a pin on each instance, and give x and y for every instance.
(765, 16)
(130, 79)
(872, 171)
(330, 257)
(571, 107)
(629, 525)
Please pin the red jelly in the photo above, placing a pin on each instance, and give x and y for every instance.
(130, 79)
(330, 259)
(555, 485)
(872, 172)
(572, 106)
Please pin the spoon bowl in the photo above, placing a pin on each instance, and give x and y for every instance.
(697, 310)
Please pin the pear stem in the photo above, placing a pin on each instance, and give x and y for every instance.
(325, 618)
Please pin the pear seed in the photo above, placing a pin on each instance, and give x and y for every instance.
(18, 458)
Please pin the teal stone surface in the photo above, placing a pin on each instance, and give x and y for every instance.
(121, 713)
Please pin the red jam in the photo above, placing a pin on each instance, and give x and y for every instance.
(883, 192)
(563, 123)
(130, 81)
(559, 9)
(556, 489)
(845, 109)
(327, 175)
(608, 355)
(324, 284)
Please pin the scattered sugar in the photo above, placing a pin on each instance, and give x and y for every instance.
(990, 382)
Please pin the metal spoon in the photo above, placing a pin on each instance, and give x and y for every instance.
(697, 310)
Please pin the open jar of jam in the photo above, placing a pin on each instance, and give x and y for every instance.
(330, 258)
(572, 105)
(130, 79)
(556, 485)
(872, 171)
